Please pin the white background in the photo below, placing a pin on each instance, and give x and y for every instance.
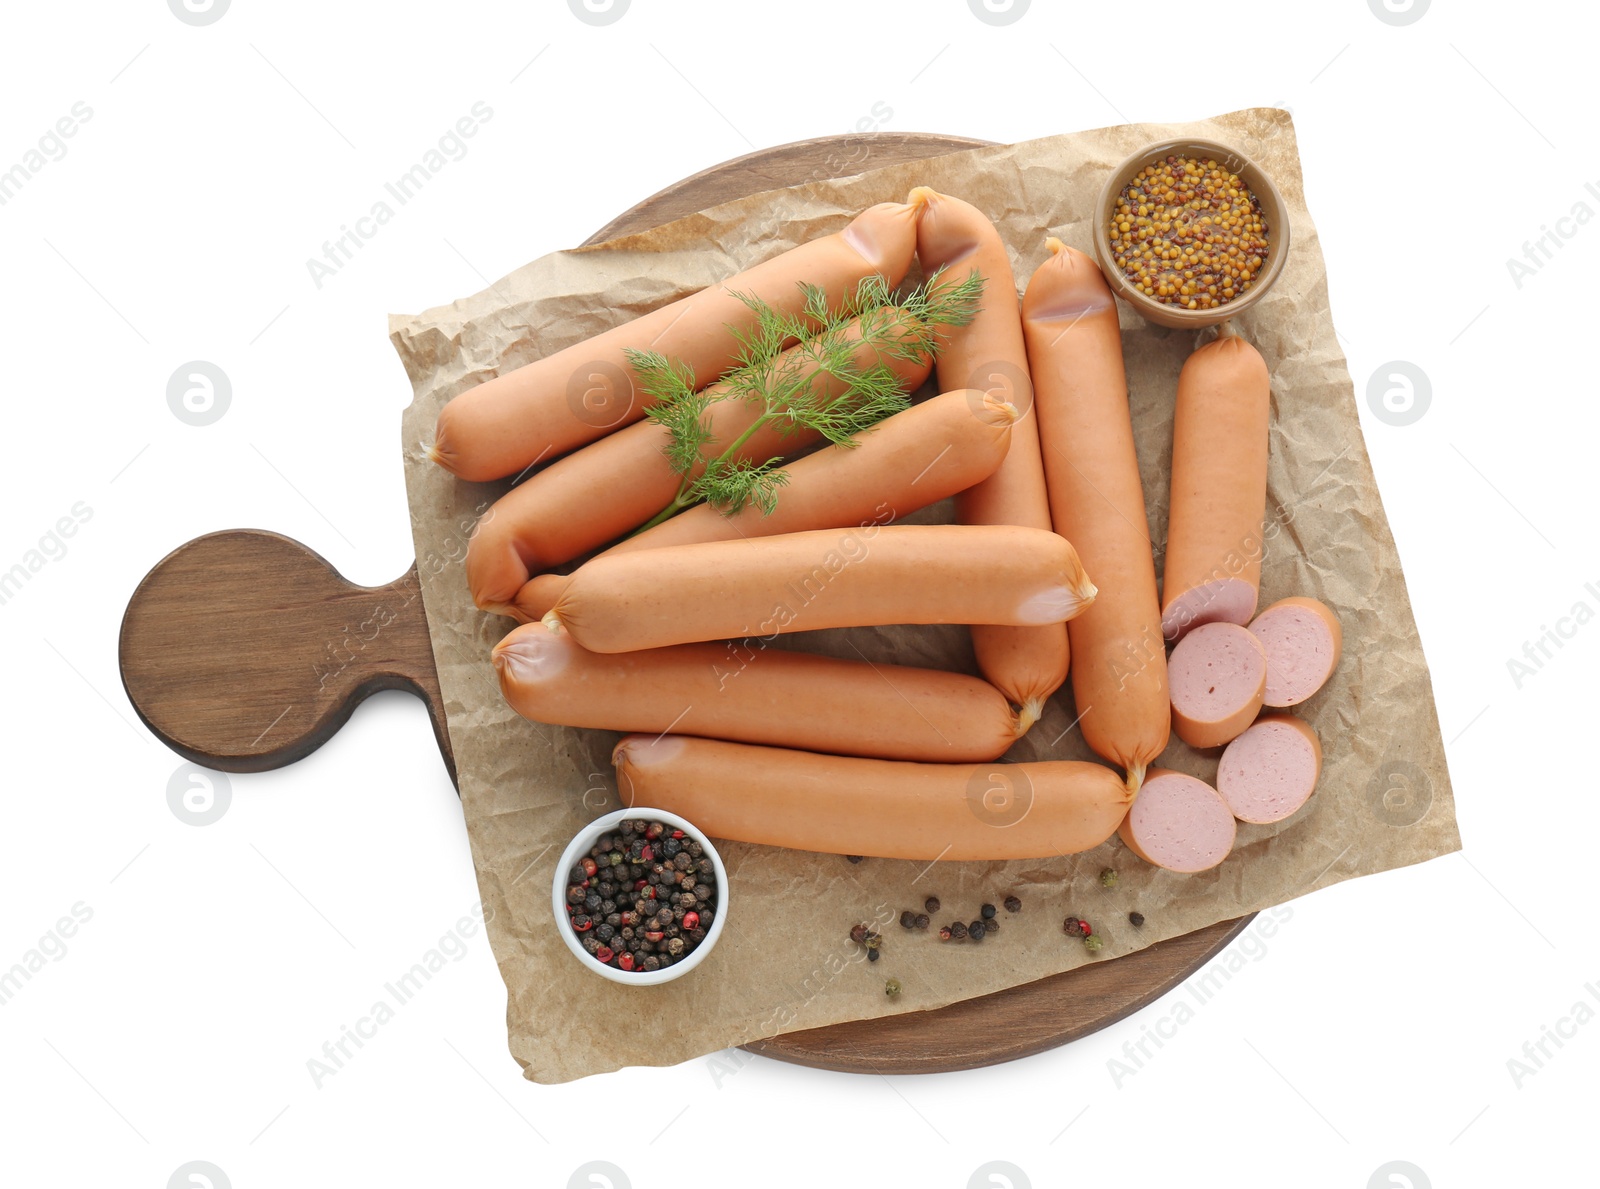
(1375, 1025)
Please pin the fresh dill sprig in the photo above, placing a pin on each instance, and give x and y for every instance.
(801, 371)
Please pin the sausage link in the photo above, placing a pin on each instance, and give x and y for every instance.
(754, 694)
(544, 409)
(1027, 664)
(884, 808)
(1119, 666)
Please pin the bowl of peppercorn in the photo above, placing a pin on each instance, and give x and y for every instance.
(640, 896)
(1190, 232)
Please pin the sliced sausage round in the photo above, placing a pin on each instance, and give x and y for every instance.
(1217, 675)
(1269, 771)
(1302, 639)
(1178, 822)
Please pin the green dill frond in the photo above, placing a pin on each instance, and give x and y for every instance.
(678, 408)
(946, 303)
(821, 385)
(660, 379)
(729, 486)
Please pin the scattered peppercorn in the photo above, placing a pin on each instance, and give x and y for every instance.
(854, 858)
(1189, 233)
(921, 920)
(891, 987)
(1136, 919)
(990, 927)
(1013, 904)
(1108, 878)
(872, 943)
(987, 912)
(908, 919)
(872, 955)
(944, 933)
(975, 930)
(624, 900)
(931, 904)
(1093, 944)
(958, 931)
(858, 934)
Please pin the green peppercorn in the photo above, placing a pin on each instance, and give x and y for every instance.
(1108, 878)
(1013, 904)
(873, 942)
(891, 987)
(1092, 943)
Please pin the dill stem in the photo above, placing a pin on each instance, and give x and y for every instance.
(677, 505)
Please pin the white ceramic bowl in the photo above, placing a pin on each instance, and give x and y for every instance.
(579, 847)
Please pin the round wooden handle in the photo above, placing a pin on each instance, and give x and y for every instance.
(244, 650)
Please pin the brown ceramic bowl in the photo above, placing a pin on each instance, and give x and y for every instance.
(1260, 185)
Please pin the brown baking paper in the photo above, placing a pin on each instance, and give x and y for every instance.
(784, 961)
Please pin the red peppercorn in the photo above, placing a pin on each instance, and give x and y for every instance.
(654, 935)
(677, 833)
(639, 884)
(604, 953)
(1083, 927)
(588, 865)
(625, 961)
(690, 920)
(582, 923)
(648, 854)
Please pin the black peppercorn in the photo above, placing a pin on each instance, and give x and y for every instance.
(975, 930)
(1013, 904)
(921, 921)
(853, 858)
(958, 931)
(1136, 918)
(652, 963)
(872, 955)
(931, 904)
(990, 927)
(591, 944)
(908, 919)
(577, 875)
(593, 901)
(575, 894)
(987, 912)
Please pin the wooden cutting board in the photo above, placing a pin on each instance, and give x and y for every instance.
(322, 644)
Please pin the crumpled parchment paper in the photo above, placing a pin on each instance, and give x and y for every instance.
(784, 961)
